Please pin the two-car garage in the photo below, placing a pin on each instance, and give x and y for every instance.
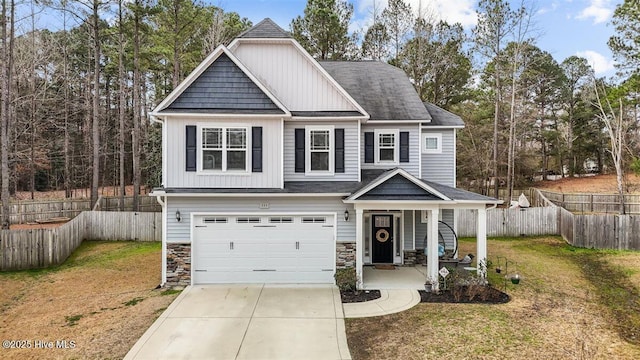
(274, 248)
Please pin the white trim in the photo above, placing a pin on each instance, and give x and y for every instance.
(183, 115)
(442, 127)
(423, 146)
(414, 228)
(165, 159)
(408, 176)
(359, 134)
(281, 153)
(419, 156)
(378, 122)
(396, 146)
(326, 118)
(204, 65)
(455, 159)
(307, 150)
(245, 194)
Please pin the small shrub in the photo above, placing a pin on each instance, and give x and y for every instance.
(346, 279)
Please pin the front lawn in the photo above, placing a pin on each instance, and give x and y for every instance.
(102, 299)
(571, 304)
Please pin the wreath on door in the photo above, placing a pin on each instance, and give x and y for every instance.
(382, 235)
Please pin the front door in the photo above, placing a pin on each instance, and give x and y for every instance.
(382, 239)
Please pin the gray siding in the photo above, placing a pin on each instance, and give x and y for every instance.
(421, 229)
(350, 151)
(223, 86)
(440, 168)
(270, 177)
(408, 229)
(413, 166)
(397, 188)
(180, 231)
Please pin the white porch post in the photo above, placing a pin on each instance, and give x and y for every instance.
(481, 239)
(359, 246)
(432, 247)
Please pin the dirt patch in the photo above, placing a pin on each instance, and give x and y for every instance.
(598, 184)
(349, 296)
(474, 294)
(103, 299)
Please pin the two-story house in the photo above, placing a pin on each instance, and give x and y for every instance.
(277, 168)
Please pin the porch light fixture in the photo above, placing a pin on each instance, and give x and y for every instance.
(178, 216)
(346, 215)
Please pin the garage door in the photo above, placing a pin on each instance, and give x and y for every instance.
(269, 249)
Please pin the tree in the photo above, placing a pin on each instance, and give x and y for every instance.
(576, 70)
(7, 21)
(496, 21)
(436, 63)
(625, 44)
(375, 42)
(224, 28)
(398, 20)
(324, 29)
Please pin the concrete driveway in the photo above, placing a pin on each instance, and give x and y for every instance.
(248, 322)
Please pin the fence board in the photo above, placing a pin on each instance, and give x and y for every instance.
(511, 222)
(38, 248)
(29, 211)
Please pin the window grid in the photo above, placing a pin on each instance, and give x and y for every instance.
(224, 149)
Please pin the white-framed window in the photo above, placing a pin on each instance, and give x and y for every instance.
(224, 149)
(387, 146)
(432, 143)
(319, 150)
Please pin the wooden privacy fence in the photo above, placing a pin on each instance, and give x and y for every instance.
(511, 222)
(39, 248)
(594, 203)
(28, 211)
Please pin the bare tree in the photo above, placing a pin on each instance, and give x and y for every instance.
(7, 22)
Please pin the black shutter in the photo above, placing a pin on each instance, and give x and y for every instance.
(256, 149)
(368, 147)
(404, 146)
(299, 147)
(339, 154)
(191, 148)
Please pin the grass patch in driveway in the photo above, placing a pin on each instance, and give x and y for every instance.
(556, 312)
(103, 298)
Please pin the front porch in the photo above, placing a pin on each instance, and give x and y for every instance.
(391, 210)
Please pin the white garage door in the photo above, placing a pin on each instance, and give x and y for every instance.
(270, 249)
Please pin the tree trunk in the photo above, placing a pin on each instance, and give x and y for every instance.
(95, 129)
(4, 118)
(135, 143)
(122, 105)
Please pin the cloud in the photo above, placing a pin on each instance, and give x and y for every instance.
(598, 62)
(599, 10)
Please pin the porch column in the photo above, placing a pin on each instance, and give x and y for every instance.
(481, 240)
(359, 246)
(432, 247)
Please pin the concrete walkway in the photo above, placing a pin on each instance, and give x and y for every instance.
(390, 301)
(248, 322)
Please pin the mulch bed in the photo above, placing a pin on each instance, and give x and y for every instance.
(359, 296)
(481, 295)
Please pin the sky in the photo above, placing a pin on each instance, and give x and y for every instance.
(562, 27)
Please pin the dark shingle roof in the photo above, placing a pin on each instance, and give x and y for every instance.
(383, 90)
(265, 29)
(441, 117)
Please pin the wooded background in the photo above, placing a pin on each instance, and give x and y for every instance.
(74, 99)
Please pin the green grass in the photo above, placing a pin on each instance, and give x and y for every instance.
(86, 256)
(73, 320)
(133, 301)
(170, 292)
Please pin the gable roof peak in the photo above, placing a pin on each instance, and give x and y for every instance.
(265, 29)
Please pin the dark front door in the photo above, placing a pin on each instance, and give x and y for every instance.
(382, 238)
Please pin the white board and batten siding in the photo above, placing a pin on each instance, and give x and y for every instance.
(270, 177)
(440, 168)
(292, 77)
(413, 166)
(351, 171)
(180, 232)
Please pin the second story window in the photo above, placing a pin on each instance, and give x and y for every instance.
(319, 150)
(387, 146)
(224, 149)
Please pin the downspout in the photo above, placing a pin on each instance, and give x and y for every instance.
(163, 203)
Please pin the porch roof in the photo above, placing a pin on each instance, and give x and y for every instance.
(398, 185)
